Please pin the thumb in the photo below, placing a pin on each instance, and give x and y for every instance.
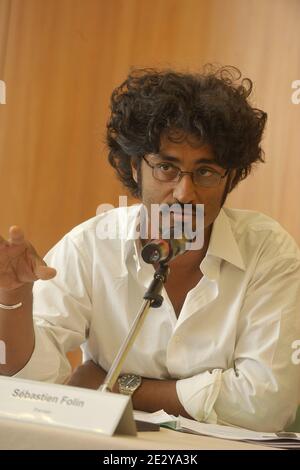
(44, 272)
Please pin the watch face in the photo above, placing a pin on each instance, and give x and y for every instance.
(129, 382)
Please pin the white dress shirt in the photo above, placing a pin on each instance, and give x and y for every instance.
(230, 349)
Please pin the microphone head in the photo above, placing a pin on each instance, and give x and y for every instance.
(163, 250)
(155, 251)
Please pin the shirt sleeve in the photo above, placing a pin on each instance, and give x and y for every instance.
(62, 313)
(261, 390)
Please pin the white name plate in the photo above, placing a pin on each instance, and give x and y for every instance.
(65, 406)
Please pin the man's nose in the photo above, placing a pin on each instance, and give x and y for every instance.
(185, 191)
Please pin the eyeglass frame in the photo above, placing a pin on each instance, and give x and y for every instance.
(182, 173)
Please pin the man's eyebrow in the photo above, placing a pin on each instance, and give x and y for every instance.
(170, 158)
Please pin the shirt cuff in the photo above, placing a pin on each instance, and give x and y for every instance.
(198, 394)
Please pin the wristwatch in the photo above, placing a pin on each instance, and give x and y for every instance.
(129, 383)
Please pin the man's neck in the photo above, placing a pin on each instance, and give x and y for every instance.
(190, 260)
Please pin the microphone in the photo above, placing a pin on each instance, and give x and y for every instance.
(164, 250)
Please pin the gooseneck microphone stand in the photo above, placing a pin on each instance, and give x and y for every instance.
(152, 298)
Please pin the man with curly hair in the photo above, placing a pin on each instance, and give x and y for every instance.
(219, 348)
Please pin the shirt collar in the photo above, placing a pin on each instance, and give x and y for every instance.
(132, 243)
(223, 243)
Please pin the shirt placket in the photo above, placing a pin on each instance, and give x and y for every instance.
(195, 304)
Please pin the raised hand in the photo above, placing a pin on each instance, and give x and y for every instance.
(19, 262)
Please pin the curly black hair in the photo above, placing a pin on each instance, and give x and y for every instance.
(212, 106)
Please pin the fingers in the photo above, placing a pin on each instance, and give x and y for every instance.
(42, 271)
(38, 266)
(16, 235)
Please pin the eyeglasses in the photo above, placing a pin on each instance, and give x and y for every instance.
(169, 173)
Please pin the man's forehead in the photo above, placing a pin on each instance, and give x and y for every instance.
(188, 147)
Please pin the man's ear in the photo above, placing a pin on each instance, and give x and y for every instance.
(134, 169)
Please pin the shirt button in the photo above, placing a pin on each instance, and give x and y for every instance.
(176, 339)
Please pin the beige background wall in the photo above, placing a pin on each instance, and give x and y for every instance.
(60, 60)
